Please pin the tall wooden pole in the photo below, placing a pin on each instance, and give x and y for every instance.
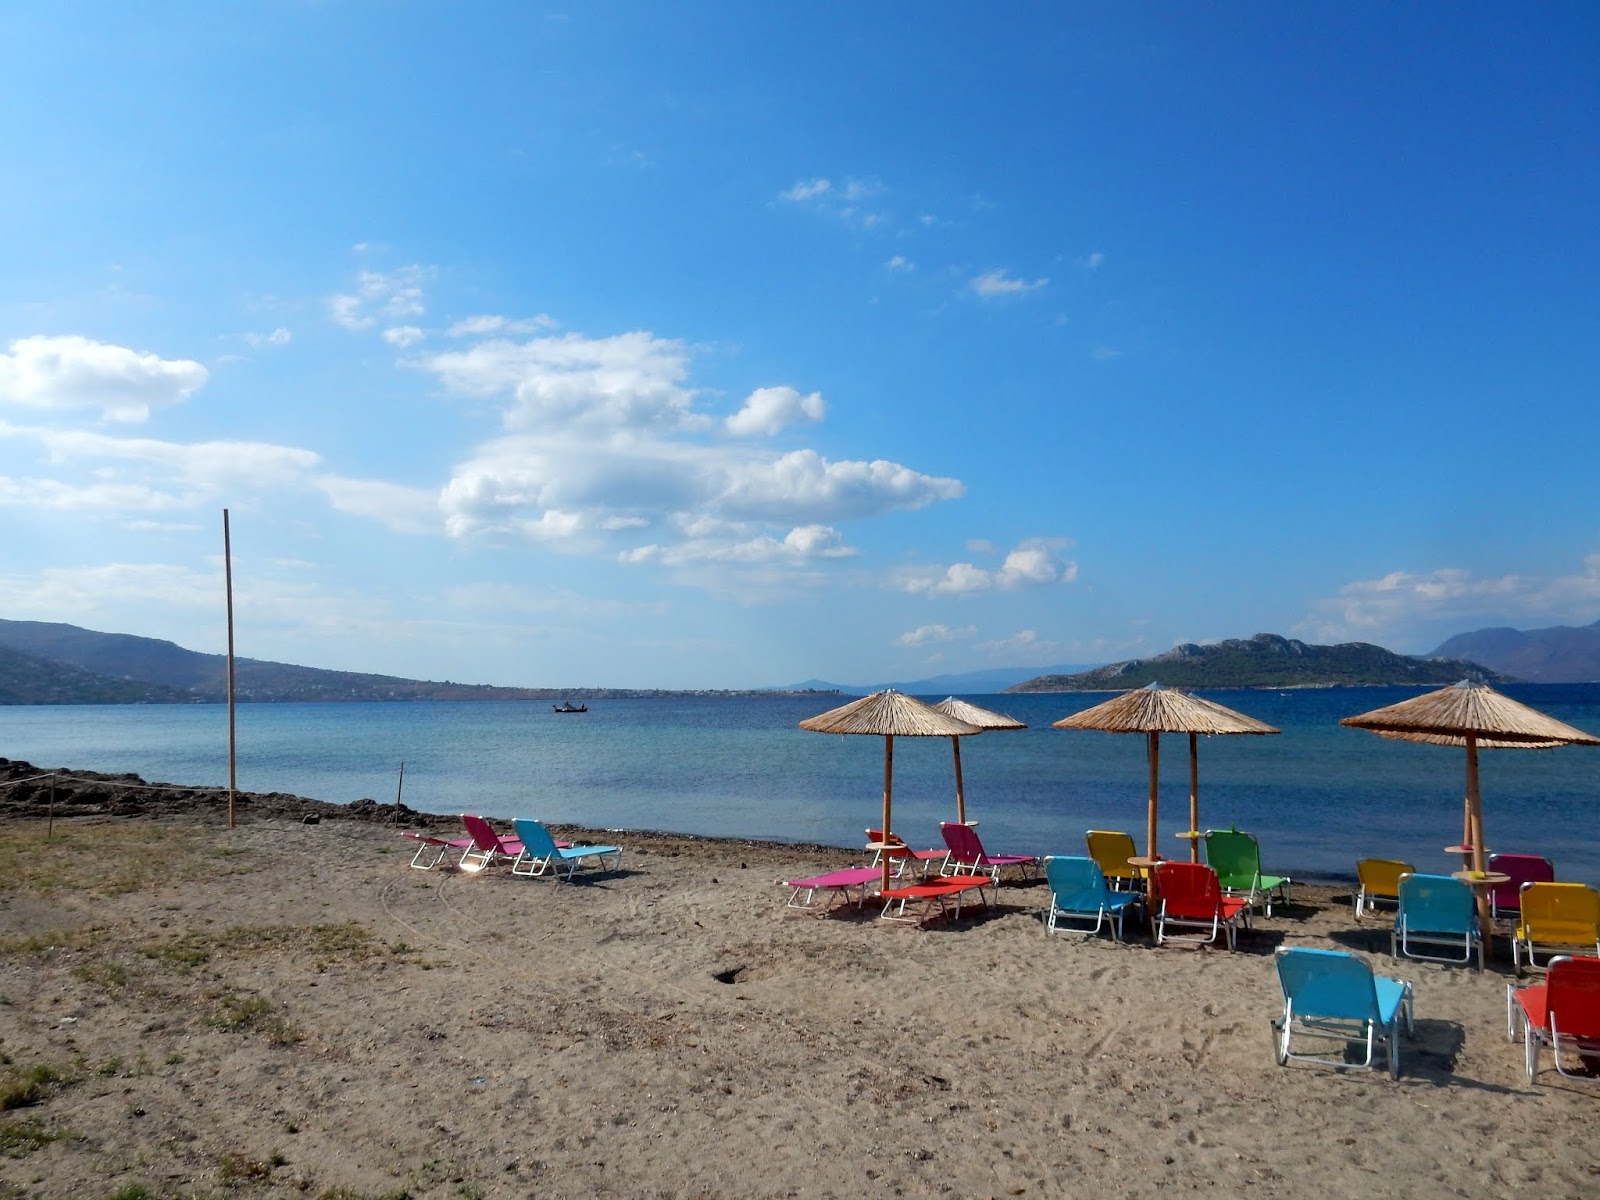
(233, 756)
(1194, 796)
(888, 792)
(961, 796)
(1479, 864)
(1150, 817)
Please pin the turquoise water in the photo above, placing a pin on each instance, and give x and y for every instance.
(1319, 796)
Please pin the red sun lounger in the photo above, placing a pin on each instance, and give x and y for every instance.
(936, 896)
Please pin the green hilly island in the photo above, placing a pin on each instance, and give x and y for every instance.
(1266, 661)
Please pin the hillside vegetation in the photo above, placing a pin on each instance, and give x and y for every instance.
(1265, 661)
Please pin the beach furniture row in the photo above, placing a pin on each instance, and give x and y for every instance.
(531, 851)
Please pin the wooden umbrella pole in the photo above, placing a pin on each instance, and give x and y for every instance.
(1475, 822)
(888, 793)
(1194, 796)
(1150, 817)
(233, 757)
(961, 797)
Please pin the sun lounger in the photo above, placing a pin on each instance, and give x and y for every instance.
(1078, 892)
(1523, 869)
(438, 847)
(967, 856)
(541, 852)
(1111, 850)
(1333, 994)
(835, 885)
(901, 854)
(1188, 895)
(1378, 879)
(488, 847)
(1436, 910)
(1236, 858)
(936, 896)
(1555, 914)
(1563, 1013)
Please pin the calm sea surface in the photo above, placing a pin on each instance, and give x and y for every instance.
(1319, 796)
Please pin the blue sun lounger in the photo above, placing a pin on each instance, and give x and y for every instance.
(540, 853)
(1079, 892)
(1333, 994)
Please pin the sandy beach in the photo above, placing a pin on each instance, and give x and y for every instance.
(287, 1008)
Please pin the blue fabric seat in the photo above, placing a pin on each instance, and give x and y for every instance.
(540, 852)
(1332, 994)
(1438, 911)
(1079, 892)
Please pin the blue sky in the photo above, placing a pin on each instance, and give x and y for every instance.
(724, 345)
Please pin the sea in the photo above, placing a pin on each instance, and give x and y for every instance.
(1318, 796)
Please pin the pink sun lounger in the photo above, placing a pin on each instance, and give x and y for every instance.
(438, 847)
(838, 885)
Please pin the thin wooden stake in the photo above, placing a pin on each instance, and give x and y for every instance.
(233, 744)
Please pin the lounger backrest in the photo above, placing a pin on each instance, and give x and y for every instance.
(534, 837)
(1523, 868)
(1381, 876)
(963, 842)
(877, 835)
(1111, 851)
(1572, 990)
(1069, 876)
(1436, 904)
(483, 835)
(1188, 889)
(1564, 913)
(1327, 984)
(1233, 855)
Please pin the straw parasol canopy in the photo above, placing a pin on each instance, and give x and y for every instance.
(889, 714)
(1154, 710)
(983, 718)
(1476, 716)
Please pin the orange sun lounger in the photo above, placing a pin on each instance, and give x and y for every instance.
(936, 896)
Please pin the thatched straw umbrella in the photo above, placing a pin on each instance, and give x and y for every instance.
(889, 714)
(1476, 716)
(961, 710)
(1154, 710)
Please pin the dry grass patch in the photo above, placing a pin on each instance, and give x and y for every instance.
(112, 858)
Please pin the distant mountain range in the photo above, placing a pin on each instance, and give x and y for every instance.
(1265, 661)
(969, 683)
(47, 663)
(1559, 654)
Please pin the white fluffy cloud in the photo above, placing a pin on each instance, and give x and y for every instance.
(991, 284)
(800, 545)
(769, 410)
(630, 381)
(924, 635)
(395, 296)
(403, 335)
(1405, 604)
(606, 444)
(61, 374)
(1025, 642)
(1032, 563)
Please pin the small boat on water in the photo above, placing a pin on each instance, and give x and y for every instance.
(569, 706)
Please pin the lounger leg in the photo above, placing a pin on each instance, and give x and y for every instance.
(437, 858)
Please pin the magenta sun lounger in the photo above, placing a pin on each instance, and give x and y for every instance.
(437, 846)
(837, 884)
